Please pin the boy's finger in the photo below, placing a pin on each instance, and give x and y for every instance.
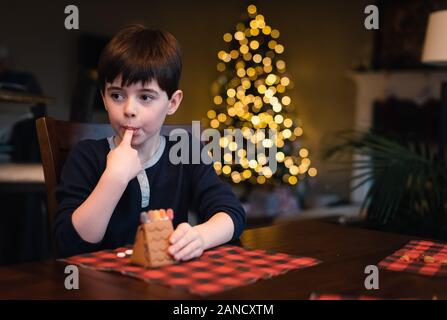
(195, 254)
(127, 138)
(182, 243)
(187, 250)
(179, 232)
(179, 244)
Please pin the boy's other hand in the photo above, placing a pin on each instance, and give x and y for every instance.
(186, 243)
(123, 161)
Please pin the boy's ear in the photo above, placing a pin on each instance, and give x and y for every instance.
(103, 99)
(175, 101)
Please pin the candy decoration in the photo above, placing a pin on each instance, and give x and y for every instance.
(163, 215)
(156, 215)
(143, 217)
(170, 213)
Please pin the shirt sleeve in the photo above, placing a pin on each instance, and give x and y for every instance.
(212, 195)
(79, 177)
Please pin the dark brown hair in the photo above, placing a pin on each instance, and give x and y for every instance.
(139, 54)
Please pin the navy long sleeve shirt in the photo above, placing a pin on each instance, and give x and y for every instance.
(182, 187)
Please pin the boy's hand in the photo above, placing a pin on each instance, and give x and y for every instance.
(123, 161)
(186, 242)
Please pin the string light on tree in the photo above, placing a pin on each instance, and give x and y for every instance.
(251, 94)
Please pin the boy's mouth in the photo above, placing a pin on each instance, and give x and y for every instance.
(134, 129)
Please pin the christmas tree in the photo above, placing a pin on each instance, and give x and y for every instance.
(250, 95)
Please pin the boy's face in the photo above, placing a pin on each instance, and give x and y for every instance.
(139, 108)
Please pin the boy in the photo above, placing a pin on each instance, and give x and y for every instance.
(105, 184)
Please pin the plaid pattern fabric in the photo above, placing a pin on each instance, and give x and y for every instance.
(217, 270)
(335, 296)
(421, 257)
(327, 296)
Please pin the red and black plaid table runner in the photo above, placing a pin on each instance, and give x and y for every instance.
(420, 257)
(217, 270)
(333, 296)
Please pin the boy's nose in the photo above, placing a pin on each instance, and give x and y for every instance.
(130, 109)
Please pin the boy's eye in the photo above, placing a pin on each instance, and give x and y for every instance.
(146, 98)
(117, 96)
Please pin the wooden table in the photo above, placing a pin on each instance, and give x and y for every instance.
(23, 97)
(21, 177)
(345, 253)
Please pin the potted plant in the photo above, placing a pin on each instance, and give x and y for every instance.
(407, 182)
